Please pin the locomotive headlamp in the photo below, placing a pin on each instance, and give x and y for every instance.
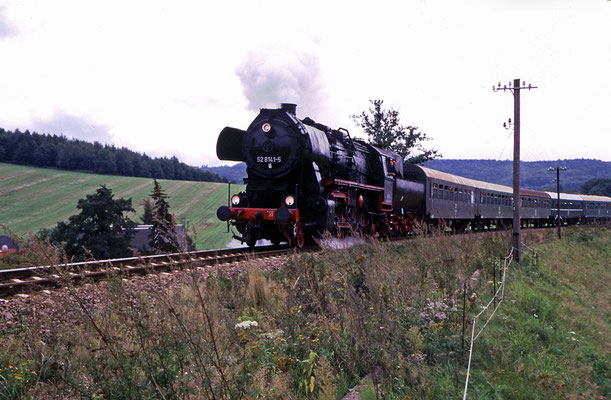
(235, 200)
(266, 127)
(289, 200)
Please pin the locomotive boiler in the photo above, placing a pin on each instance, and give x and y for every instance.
(305, 178)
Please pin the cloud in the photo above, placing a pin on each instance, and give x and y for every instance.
(73, 126)
(281, 75)
(6, 28)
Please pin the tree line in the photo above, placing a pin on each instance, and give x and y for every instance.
(41, 150)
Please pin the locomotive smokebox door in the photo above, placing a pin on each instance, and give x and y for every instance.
(229, 144)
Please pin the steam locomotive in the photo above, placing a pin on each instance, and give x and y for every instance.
(305, 178)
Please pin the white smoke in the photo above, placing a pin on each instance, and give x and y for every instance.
(275, 76)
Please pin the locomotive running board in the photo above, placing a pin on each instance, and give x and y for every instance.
(341, 182)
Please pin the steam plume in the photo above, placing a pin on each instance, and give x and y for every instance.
(283, 76)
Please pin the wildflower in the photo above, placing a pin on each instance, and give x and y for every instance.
(246, 324)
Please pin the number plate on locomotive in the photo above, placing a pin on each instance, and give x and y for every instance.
(269, 159)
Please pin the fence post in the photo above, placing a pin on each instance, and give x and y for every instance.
(464, 310)
(494, 280)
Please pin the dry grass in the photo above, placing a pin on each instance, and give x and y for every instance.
(315, 327)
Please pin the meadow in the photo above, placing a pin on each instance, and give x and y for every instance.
(315, 326)
(36, 198)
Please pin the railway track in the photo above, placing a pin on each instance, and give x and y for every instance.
(31, 279)
(25, 280)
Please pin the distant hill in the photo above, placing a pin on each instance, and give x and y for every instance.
(534, 174)
(233, 173)
(597, 186)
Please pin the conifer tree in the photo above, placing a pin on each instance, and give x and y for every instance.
(147, 216)
(163, 238)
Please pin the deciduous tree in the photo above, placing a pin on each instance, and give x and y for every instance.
(385, 131)
(100, 229)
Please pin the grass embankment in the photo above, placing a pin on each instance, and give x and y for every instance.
(36, 198)
(315, 327)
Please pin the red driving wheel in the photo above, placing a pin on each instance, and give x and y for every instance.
(299, 235)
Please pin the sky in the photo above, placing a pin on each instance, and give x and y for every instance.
(164, 78)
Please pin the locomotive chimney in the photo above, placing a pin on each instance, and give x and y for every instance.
(289, 108)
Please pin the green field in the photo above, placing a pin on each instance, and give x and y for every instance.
(36, 198)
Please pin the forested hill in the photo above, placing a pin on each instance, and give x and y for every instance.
(233, 173)
(54, 151)
(534, 174)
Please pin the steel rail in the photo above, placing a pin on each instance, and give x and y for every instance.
(24, 280)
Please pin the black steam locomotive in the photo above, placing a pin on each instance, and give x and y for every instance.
(305, 178)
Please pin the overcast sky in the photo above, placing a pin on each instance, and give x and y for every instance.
(165, 77)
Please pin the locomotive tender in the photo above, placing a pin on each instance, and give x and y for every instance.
(305, 178)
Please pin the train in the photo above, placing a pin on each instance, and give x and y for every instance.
(305, 178)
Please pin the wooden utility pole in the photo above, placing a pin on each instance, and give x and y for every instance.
(517, 234)
(517, 202)
(558, 169)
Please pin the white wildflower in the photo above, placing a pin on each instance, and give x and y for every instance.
(246, 325)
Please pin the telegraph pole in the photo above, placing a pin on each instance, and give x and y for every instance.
(517, 234)
(558, 169)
